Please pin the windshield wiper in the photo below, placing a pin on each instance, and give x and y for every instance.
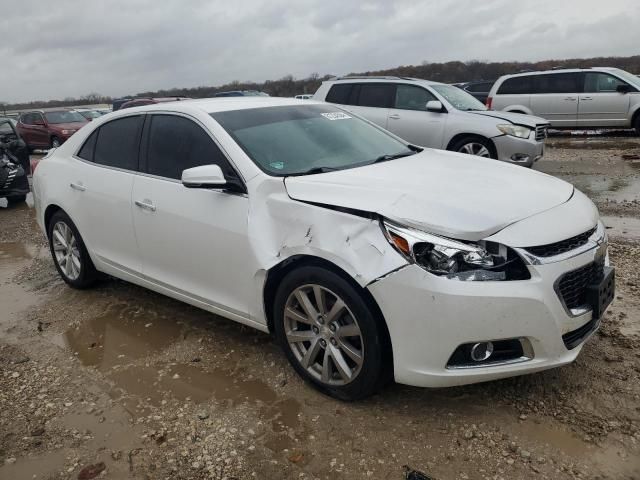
(313, 170)
(384, 158)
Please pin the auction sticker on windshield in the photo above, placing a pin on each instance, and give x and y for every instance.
(336, 116)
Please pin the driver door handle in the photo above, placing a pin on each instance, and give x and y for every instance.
(146, 205)
(78, 186)
(395, 116)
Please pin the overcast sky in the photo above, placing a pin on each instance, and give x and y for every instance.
(54, 49)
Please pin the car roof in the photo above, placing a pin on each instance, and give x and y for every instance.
(49, 110)
(559, 70)
(218, 104)
(383, 79)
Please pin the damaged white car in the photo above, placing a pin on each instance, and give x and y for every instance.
(368, 258)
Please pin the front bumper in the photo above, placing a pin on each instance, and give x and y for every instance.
(428, 317)
(520, 151)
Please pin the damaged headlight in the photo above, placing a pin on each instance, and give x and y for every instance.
(481, 261)
(519, 131)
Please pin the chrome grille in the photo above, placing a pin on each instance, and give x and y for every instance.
(552, 249)
(541, 132)
(572, 286)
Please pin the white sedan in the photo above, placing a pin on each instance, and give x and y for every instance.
(369, 259)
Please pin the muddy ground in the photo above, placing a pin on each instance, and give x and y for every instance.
(119, 382)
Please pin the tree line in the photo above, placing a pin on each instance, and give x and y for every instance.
(288, 86)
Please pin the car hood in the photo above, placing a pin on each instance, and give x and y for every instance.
(68, 126)
(515, 118)
(450, 194)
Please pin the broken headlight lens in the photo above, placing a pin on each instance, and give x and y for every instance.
(519, 131)
(453, 259)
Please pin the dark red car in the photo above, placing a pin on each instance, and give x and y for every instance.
(49, 128)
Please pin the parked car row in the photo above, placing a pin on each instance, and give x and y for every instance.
(368, 257)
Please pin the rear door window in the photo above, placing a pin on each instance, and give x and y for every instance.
(559, 83)
(118, 143)
(409, 97)
(516, 86)
(597, 82)
(86, 152)
(177, 143)
(378, 95)
(339, 93)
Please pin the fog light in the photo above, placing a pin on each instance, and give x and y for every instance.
(481, 351)
(520, 157)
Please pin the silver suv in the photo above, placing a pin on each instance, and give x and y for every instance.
(437, 115)
(572, 98)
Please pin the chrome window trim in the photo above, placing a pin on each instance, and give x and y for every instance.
(149, 175)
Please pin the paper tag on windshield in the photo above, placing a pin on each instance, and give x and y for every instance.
(336, 116)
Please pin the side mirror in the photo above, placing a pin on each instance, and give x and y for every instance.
(624, 88)
(434, 106)
(205, 176)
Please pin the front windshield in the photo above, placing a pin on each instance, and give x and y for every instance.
(6, 127)
(291, 140)
(458, 98)
(64, 117)
(90, 114)
(627, 77)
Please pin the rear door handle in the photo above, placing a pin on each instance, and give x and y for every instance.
(395, 116)
(146, 205)
(571, 99)
(78, 186)
(586, 98)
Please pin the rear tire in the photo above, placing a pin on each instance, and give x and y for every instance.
(16, 199)
(636, 124)
(69, 252)
(474, 145)
(337, 347)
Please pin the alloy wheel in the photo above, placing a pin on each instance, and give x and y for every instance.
(474, 148)
(323, 335)
(65, 250)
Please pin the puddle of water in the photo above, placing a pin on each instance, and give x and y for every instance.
(594, 142)
(11, 253)
(190, 382)
(13, 297)
(122, 334)
(617, 189)
(624, 227)
(555, 438)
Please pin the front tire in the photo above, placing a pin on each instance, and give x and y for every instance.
(69, 252)
(329, 333)
(636, 124)
(472, 145)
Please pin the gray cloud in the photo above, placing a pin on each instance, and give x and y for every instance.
(74, 47)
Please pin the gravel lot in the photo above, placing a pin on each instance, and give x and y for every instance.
(119, 382)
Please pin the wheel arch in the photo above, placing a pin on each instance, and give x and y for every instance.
(276, 273)
(635, 117)
(518, 109)
(48, 213)
(460, 136)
